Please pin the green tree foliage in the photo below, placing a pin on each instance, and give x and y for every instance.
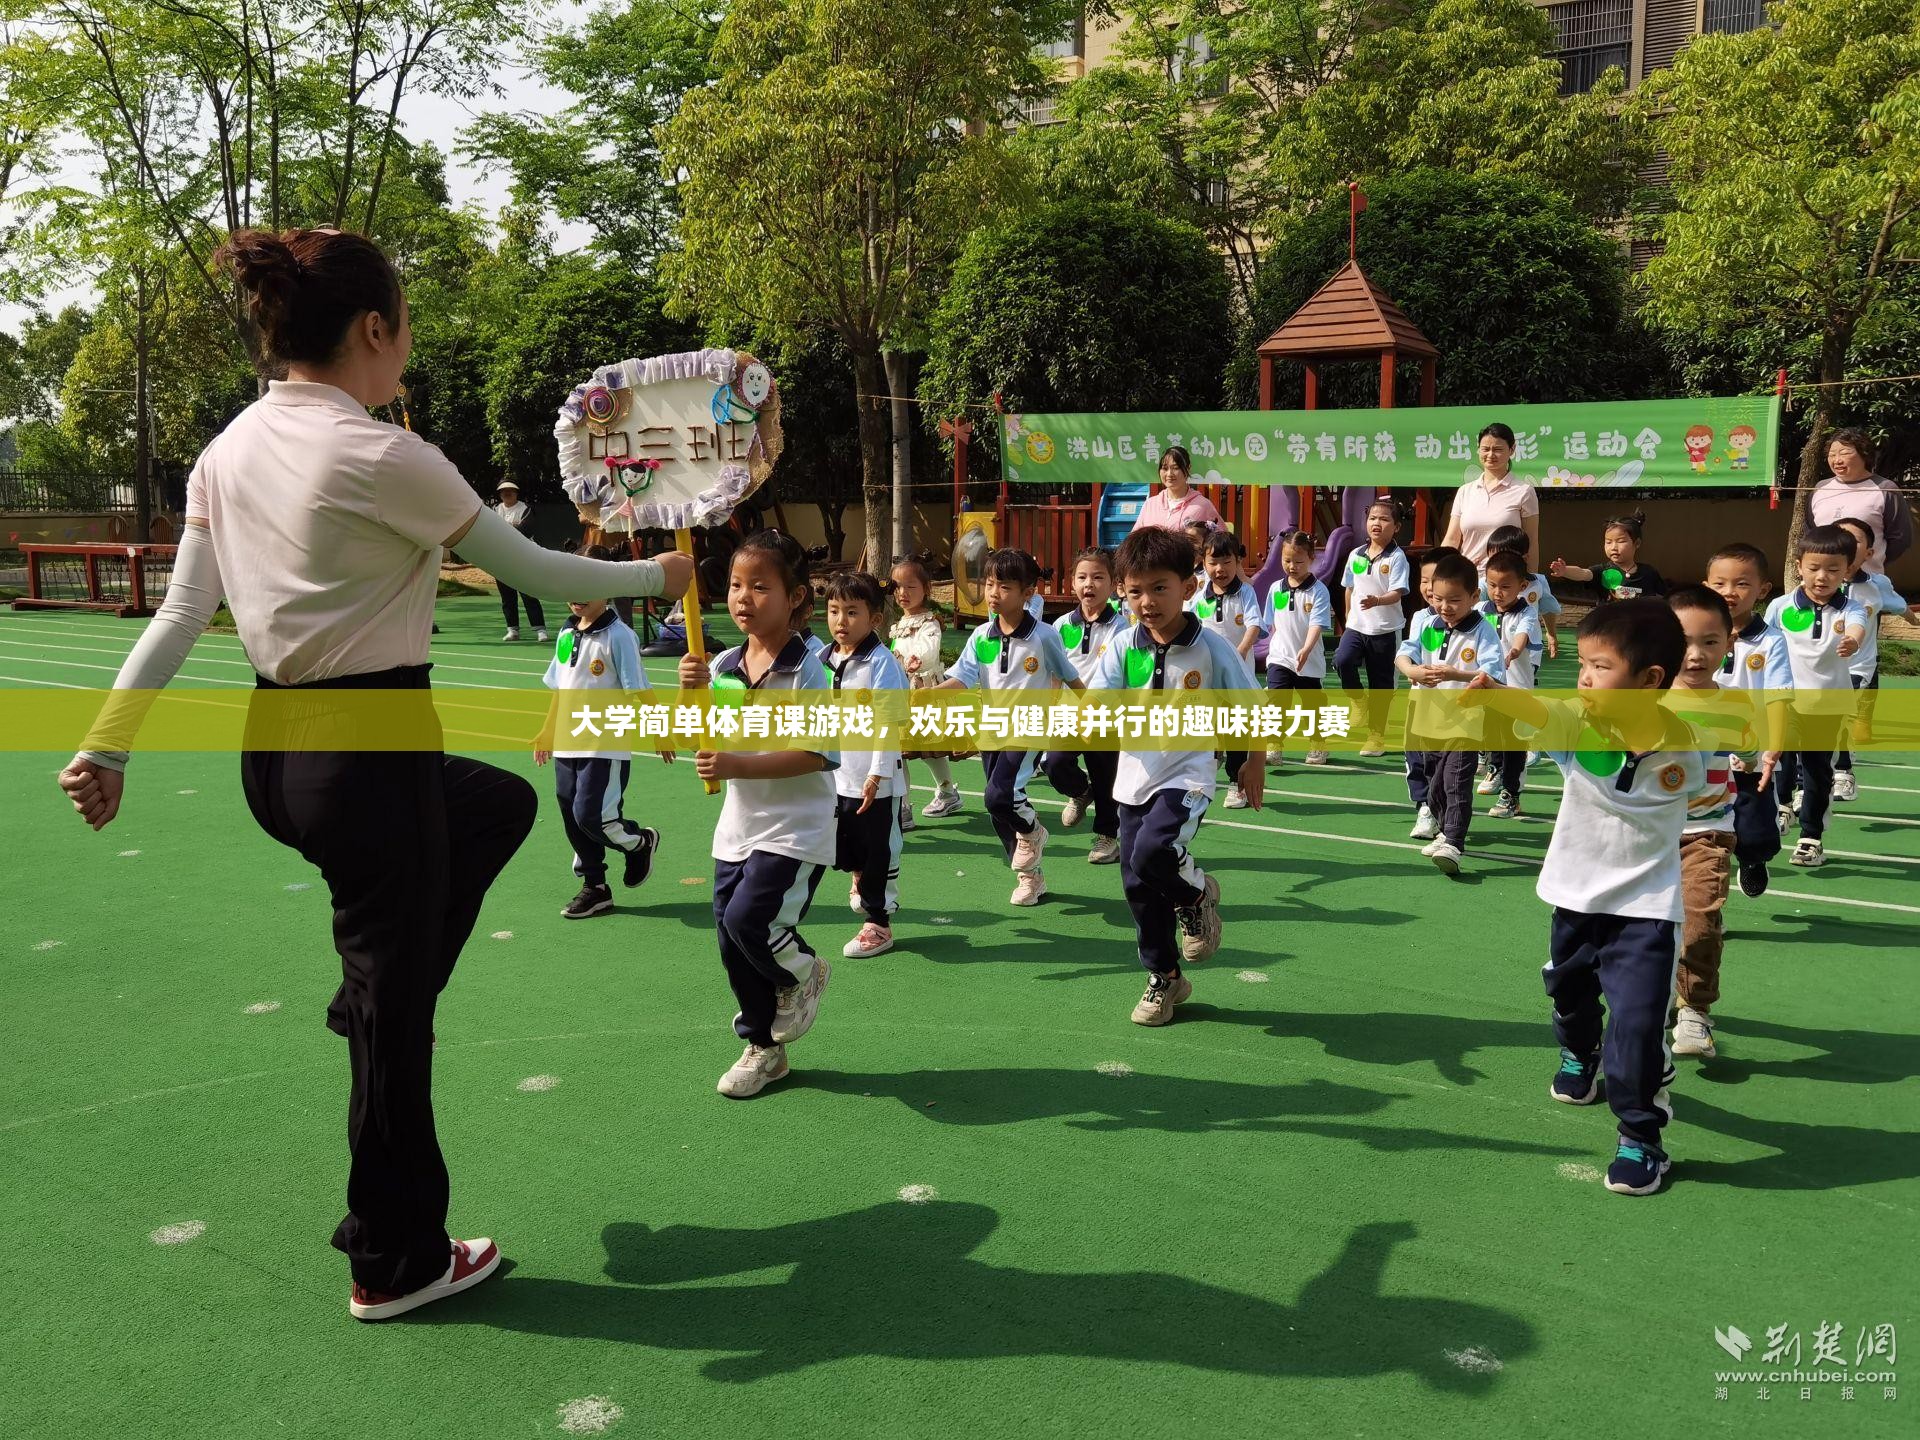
(580, 314)
(1524, 299)
(1796, 186)
(33, 364)
(1081, 306)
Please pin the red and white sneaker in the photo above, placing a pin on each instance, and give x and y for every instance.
(472, 1262)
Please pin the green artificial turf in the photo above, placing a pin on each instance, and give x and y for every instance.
(1333, 1198)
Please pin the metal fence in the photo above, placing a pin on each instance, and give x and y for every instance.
(95, 494)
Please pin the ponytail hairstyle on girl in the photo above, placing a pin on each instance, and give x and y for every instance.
(1633, 524)
(305, 288)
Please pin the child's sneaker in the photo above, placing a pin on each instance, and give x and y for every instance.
(1489, 783)
(1236, 799)
(797, 1006)
(907, 821)
(1845, 787)
(1637, 1168)
(1425, 826)
(947, 800)
(1375, 747)
(640, 859)
(1693, 1034)
(543, 637)
(1534, 757)
(872, 940)
(1316, 757)
(1809, 854)
(1753, 878)
(1105, 851)
(1507, 807)
(472, 1261)
(1200, 924)
(1028, 848)
(758, 1067)
(1785, 816)
(1029, 888)
(1163, 993)
(1445, 856)
(1431, 846)
(509, 637)
(1074, 811)
(1577, 1081)
(592, 900)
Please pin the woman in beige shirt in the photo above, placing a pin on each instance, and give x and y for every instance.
(1494, 500)
(323, 529)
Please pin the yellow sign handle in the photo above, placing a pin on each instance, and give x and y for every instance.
(690, 617)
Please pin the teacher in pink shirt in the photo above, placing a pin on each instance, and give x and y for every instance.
(1492, 501)
(1176, 503)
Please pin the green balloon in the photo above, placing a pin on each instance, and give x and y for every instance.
(1433, 638)
(1594, 758)
(1073, 632)
(1282, 597)
(565, 649)
(1360, 566)
(1794, 618)
(987, 649)
(1139, 667)
(1206, 609)
(729, 690)
(1612, 578)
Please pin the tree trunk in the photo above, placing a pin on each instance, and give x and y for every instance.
(869, 378)
(142, 419)
(899, 385)
(1833, 367)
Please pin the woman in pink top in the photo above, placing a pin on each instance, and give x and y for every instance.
(1176, 503)
(1854, 492)
(1492, 501)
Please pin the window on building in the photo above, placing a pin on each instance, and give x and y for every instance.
(1070, 45)
(1732, 17)
(1194, 57)
(1594, 35)
(1211, 193)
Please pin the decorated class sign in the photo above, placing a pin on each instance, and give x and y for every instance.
(1630, 444)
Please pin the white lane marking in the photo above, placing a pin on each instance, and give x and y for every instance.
(535, 1084)
(261, 1007)
(589, 1415)
(179, 1233)
(918, 1194)
(1117, 1068)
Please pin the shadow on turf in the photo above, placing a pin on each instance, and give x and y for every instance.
(1142, 1101)
(899, 1281)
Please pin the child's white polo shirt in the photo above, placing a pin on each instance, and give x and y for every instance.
(604, 656)
(1232, 611)
(1813, 634)
(871, 666)
(1368, 576)
(1085, 641)
(794, 816)
(1197, 659)
(1031, 657)
(1291, 614)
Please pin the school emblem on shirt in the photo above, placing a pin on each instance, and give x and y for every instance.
(598, 667)
(1672, 777)
(1031, 664)
(1192, 680)
(1756, 660)
(1532, 596)
(1466, 655)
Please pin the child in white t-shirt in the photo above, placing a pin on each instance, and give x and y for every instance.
(869, 783)
(1756, 663)
(916, 638)
(776, 835)
(1086, 631)
(1518, 623)
(1377, 580)
(1299, 618)
(1875, 595)
(1231, 608)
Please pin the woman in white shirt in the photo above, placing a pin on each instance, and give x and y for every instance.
(323, 530)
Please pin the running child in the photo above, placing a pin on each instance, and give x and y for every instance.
(1377, 580)
(1823, 631)
(1875, 595)
(1300, 613)
(1086, 632)
(1707, 838)
(1612, 872)
(596, 652)
(1164, 793)
(1539, 592)
(1756, 662)
(1621, 576)
(1229, 606)
(868, 784)
(1425, 826)
(916, 637)
(1459, 648)
(776, 835)
(1013, 651)
(1521, 643)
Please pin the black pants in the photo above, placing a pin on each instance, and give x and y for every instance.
(1811, 771)
(408, 843)
(1095, 784)
(510, 607)
(869, 846)
(1008, 772)
(1450, 791)
(1416, 772)
(1156, 872)
(1375, 652)
(1512, 765)
(1279, 677)
(1629, 965)
(591, 791)
(758, 904)
(1756, 826)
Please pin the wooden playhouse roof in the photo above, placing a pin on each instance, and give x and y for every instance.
(1349, 315)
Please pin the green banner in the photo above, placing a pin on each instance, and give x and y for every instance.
(1626, 444)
